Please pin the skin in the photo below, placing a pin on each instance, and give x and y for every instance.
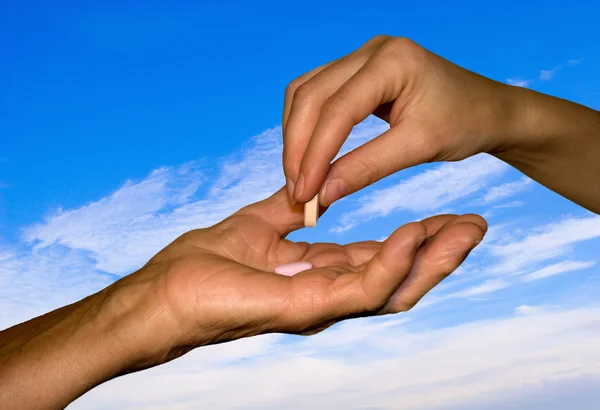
(437, 111)
(217, 284)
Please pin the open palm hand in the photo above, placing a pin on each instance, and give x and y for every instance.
(220, 285)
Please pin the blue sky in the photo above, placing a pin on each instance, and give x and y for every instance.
(122, 126)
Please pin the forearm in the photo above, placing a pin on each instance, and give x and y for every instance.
(557, 143)
(51, 360)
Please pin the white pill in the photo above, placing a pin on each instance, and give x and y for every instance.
(311, 211)
(290, 269)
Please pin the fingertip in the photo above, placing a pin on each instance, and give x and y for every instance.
(409, 232)
(466, 235)
(333, 190)
(308, 184)
(477, 220)
(403, 241)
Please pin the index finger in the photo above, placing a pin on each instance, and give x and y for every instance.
(293, 86)
(376, 83)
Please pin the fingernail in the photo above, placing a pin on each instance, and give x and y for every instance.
(290, 189)
(334, 190)
(299, 186)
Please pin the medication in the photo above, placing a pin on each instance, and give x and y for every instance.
(311, 211)
(290, 269)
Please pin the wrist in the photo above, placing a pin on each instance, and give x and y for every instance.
(51, 360)
(555, 142)
(142, 326)
(508, 124)
(539, 126)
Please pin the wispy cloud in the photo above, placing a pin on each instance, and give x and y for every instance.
(511, 204)
(518, 82)
(504, 191)
(124, 229)
(560, 267)
(549, 74)
(377, 365)
(427, 191)
(75, 252)
(529, 310)
(488, 286)
(511, 255)
(354, 364)
(543, 75)
(35, 282)
(545, 243)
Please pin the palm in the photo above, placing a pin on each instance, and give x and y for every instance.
(231, 264)
(242, 252)
(252, 242)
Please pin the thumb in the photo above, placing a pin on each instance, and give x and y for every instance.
(400, 147)
(279, 212)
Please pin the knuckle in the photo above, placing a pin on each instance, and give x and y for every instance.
(378, 39)
(290, 90)
(187, 237)
(427, 145)
(405, 50)
(294, 84)
(304, 94)
(368, 170)
(399, 44)
(334, 107)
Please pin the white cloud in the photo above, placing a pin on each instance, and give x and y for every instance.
(506, 190)
(517, 82)
(488, 286)
(73, 251)
(510, 255)
(512, 204)
(560, 267)
(377, 366)
(547, 74)
(543, 244)
(35, 282)
(427, 191)
(544, 75)
(353, 365)
(123, 230)
(127, 227)
(528, 310)
(493, 210)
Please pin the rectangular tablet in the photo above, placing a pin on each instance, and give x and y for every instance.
(311, 211)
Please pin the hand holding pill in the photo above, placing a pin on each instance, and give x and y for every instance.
(437, 111)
